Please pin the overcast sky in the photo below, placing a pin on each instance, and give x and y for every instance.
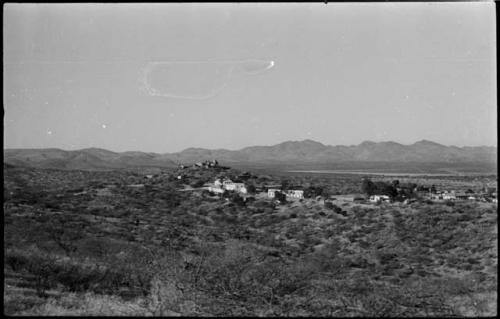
(165, 77)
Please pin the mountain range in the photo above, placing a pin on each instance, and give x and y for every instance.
(290, 152)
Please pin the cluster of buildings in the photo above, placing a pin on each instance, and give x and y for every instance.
(206, 164)
(225, 184)
(469, 195)
(218, 187)
(434, 195)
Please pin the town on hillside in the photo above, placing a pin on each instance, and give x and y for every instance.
(370, 192)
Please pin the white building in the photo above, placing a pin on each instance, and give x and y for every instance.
(218, 183)
(379, 198)
(230, 185)
(240, 187)
(295, 194)
(271, 193)
(215, 189)
(436, 196)
(449, 196)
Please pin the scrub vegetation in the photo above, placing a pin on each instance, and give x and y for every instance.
(119, 243)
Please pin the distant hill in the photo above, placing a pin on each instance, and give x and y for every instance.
(85, 159)
(290, 152)
(315, 152)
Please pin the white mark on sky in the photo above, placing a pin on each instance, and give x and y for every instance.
(195, 79)
(49, 132)
(103, 126)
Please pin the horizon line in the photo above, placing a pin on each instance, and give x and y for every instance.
(225, 149)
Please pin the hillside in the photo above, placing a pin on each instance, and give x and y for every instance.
(86, 159)
(86, 243)
(290, 152)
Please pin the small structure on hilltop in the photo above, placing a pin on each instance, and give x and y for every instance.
(207, 164)
(212, 163)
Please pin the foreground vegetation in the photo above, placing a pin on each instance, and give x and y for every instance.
(85, 243)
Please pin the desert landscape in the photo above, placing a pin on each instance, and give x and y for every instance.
(139, 241)
(250, 159)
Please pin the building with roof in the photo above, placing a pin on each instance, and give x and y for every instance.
(379, 198)
(295, 193)
(271, 192)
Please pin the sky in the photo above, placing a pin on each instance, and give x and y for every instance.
(165, 77)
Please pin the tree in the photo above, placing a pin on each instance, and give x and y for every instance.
(280, 196)
(251, 189)
(433, 189)
(285, 184)
(386, 189)
(237, 199)
(313, 191)
(368, 187)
